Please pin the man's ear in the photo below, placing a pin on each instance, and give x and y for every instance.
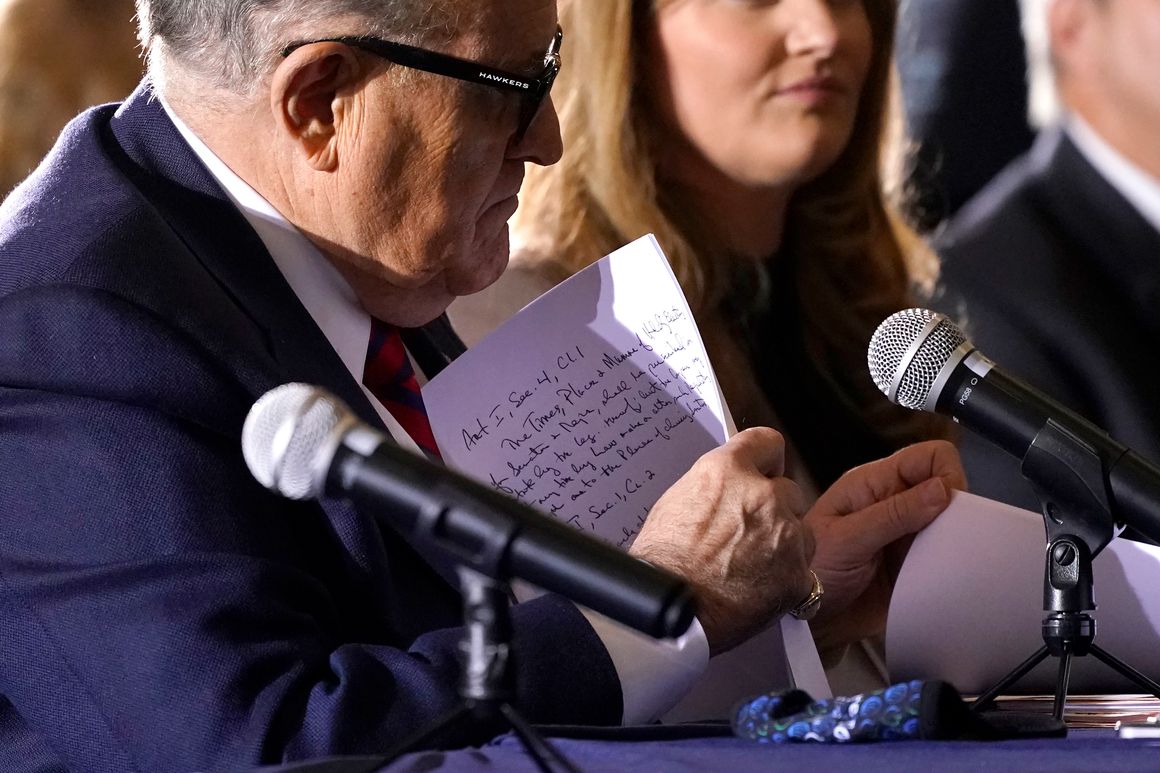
(1068, 29)
(307, 94)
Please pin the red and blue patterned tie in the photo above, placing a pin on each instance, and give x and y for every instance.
(391, 379)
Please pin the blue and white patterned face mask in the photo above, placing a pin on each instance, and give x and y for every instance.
(927, 710)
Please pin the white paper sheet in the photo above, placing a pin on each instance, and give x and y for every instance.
(588, 405)
(590, 402)
(968, 604)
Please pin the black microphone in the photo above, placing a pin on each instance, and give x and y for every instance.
(923, 361)
(304, 443)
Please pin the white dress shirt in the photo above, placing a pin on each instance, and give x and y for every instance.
(653, 675)
(1141, 189)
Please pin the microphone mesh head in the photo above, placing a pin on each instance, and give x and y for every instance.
(936, 337)
(284, 435)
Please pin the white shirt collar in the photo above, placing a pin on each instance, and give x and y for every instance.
(323, 291)
(1134, 184)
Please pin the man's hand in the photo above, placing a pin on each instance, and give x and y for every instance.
(864, 525)
(732, 527)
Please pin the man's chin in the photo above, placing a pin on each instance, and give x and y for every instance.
(492, 262)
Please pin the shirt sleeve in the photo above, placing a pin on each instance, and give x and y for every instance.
(654, 673)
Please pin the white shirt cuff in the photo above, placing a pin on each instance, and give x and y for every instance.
(654, 673)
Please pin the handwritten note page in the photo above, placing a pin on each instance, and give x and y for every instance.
(588, 405)
(591, 402)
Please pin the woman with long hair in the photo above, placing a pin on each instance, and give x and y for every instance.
(58, 57)
(748, 136)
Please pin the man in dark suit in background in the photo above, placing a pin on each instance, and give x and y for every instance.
(1054, 268)
(289, 182)
(964, 96)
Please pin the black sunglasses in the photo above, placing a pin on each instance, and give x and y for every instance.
(534, 90)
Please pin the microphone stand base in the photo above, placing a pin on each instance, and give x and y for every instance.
(485, 683)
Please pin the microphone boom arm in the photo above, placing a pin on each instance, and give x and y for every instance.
(501, 538)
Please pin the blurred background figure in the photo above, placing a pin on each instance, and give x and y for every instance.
(1055, 266)
(961, 66)
(747, 137)
(58, 57)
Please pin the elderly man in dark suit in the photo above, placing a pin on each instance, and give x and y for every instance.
(1055, 267)
(297, 178)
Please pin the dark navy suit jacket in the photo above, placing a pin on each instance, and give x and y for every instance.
(1056, 277)
(159, 610)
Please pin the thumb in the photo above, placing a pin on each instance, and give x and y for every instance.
(900, 515)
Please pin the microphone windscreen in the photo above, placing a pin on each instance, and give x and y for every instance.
(286, 436)
(907, 353)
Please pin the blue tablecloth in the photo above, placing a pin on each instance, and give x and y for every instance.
(1083, 750)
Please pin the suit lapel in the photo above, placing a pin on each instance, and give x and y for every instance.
(218, 236)
(1108, 232)
(191, 201)
(434, 346)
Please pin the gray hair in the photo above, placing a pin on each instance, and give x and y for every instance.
(1043, 105)
(234, 44)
